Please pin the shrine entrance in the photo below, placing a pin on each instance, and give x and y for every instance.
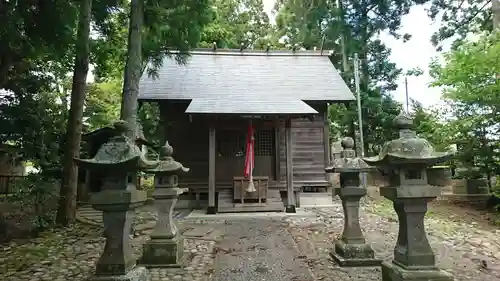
(230, 154)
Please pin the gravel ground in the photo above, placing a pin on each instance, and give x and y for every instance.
(259, 250)
(262, 249)
(70, 254)
(461, 248)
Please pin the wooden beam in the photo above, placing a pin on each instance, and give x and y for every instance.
(211, 171)
(290, 208)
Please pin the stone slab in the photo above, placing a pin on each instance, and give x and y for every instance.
(354, 262)
(200, 214)
(137, 274)
(393, 272)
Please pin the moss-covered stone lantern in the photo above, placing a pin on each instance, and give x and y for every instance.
(406, 160)
(351, 249)
(165, 249)
(118, 161)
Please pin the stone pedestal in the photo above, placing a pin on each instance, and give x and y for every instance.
(413, 255)
(117, 262)
(166, 247)
(352, 249)
(406, 161)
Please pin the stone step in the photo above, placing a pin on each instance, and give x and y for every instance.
(251, 207)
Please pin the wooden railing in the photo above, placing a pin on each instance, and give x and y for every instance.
(6, 182)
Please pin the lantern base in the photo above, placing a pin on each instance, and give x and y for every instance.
(352, 255)
(163, 253)
(394, 272)
(290, 209)
(136, 274)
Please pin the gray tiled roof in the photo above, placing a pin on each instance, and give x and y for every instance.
(230, 81)
(250, 105)
(306, 75)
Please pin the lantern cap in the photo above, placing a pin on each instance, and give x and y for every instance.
(348, 162)
(119, 153)
(167, 162)
(408, 148)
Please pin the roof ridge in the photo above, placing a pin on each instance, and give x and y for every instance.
(255, 52)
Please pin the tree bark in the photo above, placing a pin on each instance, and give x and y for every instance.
(133, 67)
(66, 211)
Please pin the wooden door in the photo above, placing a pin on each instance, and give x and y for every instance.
(230, 154)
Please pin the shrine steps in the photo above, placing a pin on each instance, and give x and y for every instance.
(274, 203)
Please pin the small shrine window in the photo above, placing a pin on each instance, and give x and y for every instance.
(264, 143)
(233, 143)
(230, 143)
(413, 175)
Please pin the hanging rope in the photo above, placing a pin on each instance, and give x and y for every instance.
(249, 158)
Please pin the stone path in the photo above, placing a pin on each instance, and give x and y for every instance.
(258, 249)
(293, 248)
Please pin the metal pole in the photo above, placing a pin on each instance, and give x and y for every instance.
(358, 97)
(360, 115)
(407, 97)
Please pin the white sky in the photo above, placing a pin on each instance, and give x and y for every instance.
(417, 52)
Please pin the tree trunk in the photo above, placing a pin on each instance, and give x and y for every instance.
(67, 200)
(133, 67)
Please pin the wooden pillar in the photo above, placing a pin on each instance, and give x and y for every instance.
(290, 207)
(211, 171)
(326, 142)
(326, 137)
(277, 164)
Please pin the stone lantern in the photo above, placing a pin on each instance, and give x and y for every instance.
(166, 247)
(118, 161)
(406, 160)
(351, 249)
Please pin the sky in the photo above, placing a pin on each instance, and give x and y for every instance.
(417, 52)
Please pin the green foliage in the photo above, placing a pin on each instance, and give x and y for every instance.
(417, 71)
(238, 22)
(459, 19)
(102, 104)
(35, 122)
(147, 184)
(430, 125)
(468, 76)
(36, 194)
(36, 32)
(168, 25)
(149, 116)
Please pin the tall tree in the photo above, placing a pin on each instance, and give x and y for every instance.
(67, 200)
(319, 24)
(237, 23)
(470, 85)
(133, 67)
(36, 32)
(459, 19)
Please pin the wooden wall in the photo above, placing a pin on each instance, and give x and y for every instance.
(308, 150)
(189, 138)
